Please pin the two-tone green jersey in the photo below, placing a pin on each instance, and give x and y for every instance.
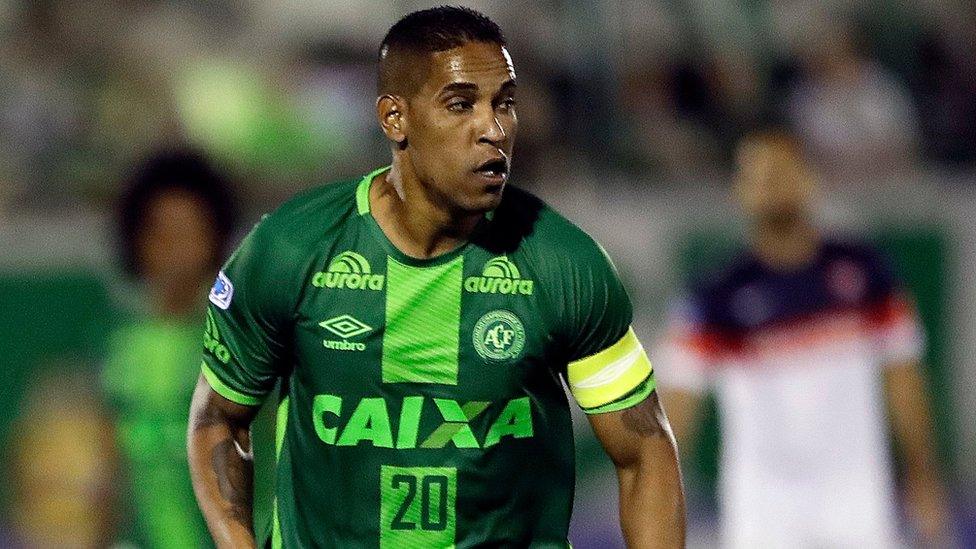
(422, 402)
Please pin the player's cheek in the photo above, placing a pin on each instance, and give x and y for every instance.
(511, 131)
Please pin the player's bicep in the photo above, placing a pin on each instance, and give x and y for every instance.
(615, 378)
(209, 408)
(634, 434)
(607, 368)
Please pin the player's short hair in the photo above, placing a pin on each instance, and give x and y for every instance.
(181, 170)
(429, 31)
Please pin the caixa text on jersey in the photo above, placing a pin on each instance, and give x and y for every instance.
(370, 421)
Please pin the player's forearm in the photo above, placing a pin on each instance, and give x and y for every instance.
(652, 508)
(642, 447)
(908, 407)
(222, 471)
(911, 420)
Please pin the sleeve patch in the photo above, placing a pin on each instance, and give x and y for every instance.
(222, 292)
(606, 376)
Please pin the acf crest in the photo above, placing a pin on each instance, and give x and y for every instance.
(499, 336)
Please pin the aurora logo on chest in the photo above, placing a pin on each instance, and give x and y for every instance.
(500, 276)
(351, 271)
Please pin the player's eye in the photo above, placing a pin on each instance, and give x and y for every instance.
(507, 104)
(459, 105)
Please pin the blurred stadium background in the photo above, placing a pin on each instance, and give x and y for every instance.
(629, 112)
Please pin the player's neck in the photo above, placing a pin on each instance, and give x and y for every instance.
(787, 250)
(412, 221)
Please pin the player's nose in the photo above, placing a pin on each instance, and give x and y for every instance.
(491, 130)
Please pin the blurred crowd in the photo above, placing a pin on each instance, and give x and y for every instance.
(634, 96)
(659, 89)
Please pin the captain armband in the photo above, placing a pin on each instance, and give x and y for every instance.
(616, 378)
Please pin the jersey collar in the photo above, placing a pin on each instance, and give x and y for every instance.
(362, 207)
(362, 190)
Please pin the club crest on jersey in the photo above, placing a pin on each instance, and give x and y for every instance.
(351, 271)
(499, 336)
(222, 292)
(500, 276)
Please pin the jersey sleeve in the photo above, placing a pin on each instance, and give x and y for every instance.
(608, 369)
(247, 320)
(688, 348)
(895, 327)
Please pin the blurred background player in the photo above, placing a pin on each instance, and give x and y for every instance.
(805, 339)
(175, 219)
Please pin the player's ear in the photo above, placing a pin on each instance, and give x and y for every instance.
(389, 112)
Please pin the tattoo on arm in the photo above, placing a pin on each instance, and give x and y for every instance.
(645, 419)
(234, 479)
(210, 416)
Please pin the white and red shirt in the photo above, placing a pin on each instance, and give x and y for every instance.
(794, 359)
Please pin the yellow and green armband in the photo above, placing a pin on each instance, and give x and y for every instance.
(616, 378)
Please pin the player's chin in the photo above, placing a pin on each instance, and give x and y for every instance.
(486, 199)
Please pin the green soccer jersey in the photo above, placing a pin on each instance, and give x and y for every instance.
(147, 379)
(422, 402)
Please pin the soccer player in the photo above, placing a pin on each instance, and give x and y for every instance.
(175, 219)
(804, 339)
(421, 320)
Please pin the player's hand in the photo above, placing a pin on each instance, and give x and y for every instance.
(929, 510)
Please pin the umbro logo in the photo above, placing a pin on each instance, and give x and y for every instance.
(351, 271)
(500, 276)
(345, 327)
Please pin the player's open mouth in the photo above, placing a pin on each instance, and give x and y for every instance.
(495, 170)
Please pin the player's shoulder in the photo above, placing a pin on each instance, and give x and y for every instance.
(309, 216)
(525, 222)
(740, 269)
(315, 210)
(709, 294)
(859, 264)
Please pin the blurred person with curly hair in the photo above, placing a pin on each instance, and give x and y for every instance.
(174, 221)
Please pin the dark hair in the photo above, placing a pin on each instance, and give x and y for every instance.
(441, 28)
(175, 170)
(433, 30)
